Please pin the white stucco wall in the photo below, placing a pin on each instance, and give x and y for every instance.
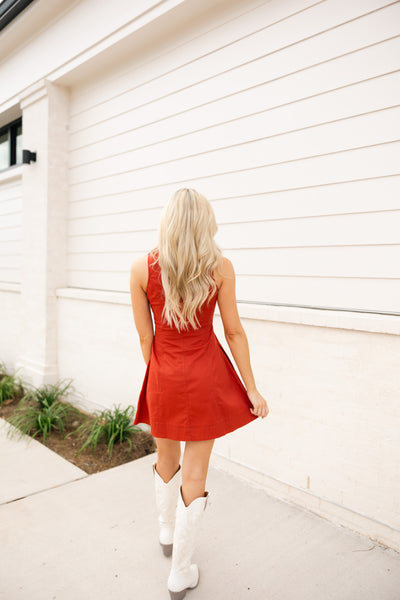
(333, 394)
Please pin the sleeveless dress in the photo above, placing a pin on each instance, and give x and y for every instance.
(190, 390)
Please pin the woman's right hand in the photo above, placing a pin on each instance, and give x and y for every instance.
(260, 406)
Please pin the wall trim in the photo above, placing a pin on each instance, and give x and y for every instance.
(94, 295)
(5, 286)
(11, 173)
(140, 20)
(33, 93)
(321, 317)
(336, 319)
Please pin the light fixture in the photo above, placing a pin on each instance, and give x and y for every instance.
(28, 156)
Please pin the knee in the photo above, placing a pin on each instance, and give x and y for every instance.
(168, 461)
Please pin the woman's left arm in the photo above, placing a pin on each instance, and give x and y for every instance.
(141, 307)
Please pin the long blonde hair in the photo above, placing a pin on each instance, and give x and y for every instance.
(187, 255)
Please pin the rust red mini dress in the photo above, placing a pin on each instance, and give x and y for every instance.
(190, 390)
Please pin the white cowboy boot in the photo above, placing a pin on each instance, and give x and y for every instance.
(166, 499)
(183, 574)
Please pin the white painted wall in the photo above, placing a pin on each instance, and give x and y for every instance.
(10, 225)
(10, 324)
(285, 115)
(10, 264)
(69, 33)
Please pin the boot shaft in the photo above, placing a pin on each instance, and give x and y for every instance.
(166, 495)
(187, 524)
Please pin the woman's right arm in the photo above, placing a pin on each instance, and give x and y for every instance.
(140, 306)
(236, 336)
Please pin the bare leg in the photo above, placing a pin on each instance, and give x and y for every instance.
(168, 458)
(196, 458)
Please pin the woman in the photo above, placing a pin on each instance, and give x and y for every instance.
(191, 391)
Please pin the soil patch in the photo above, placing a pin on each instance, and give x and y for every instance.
(143, 443)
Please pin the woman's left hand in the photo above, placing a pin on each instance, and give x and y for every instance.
(260, 406)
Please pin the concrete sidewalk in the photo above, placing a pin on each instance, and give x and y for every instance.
(94, 537)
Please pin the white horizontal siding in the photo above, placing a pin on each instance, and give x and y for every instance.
(286, 115)
(333, 27)
(305, 291)
(365, 101)
(10, 230)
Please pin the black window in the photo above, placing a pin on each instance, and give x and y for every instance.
(11, 144)
(9, 9)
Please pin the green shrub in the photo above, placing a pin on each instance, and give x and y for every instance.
(108, 427)
(3, 368)
(46, 395)
(10, 385)
(7, 388)
(31, 419)
(41, 411)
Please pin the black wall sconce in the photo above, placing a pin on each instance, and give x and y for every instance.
(28, 156)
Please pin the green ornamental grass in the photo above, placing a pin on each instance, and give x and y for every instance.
(108, 427)
(10, 385)
(31, 420)
(41, 410)
(3, 368)
(46, 395)
(7, 388)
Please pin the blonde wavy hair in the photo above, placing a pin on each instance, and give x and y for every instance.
(187, 255)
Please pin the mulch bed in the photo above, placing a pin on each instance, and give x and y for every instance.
(143, 443)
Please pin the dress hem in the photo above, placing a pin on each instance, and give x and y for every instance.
(161, 430)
